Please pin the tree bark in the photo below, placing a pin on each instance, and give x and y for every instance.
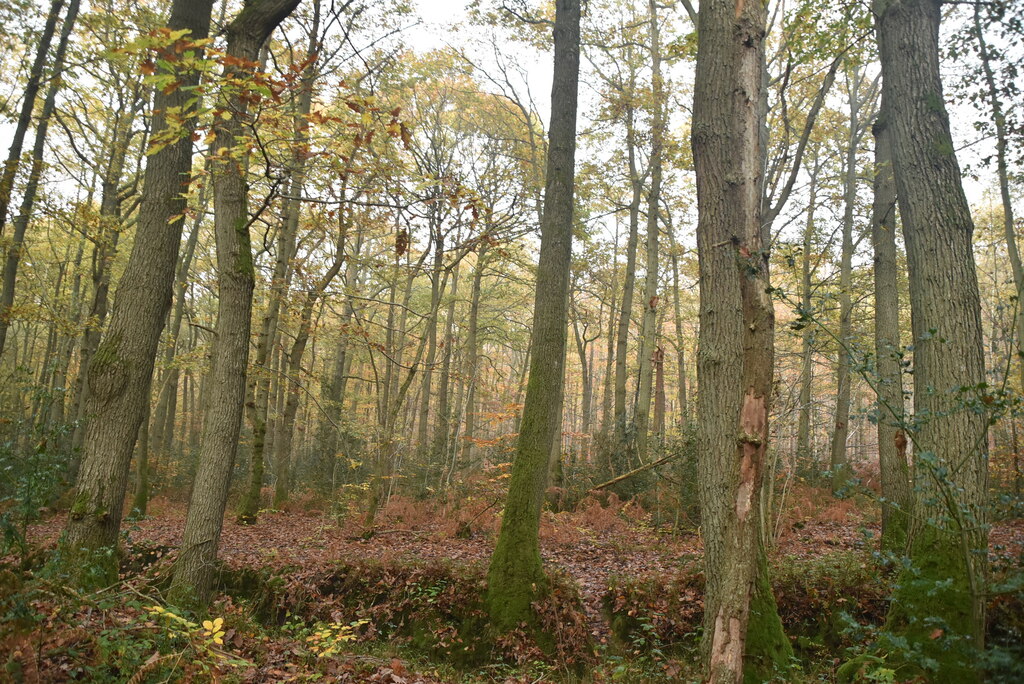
(192, 584)
(897, 497)
(948, 546)
(650, 318)
(516, 575)
(121, 370)
(735, 358)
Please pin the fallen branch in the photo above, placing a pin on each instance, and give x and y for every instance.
(631, 473)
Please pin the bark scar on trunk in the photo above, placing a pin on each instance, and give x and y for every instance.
(753, 418)
(727, 645)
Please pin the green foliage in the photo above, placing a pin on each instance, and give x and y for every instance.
(31, 479)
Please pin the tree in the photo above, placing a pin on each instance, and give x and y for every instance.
(948, 539)
(13, 257)
(735, 359)
(839, 462)
(193, 571)
(28, 104)
(650, 317)
(516, 577)
(897, 497)
(121, 370)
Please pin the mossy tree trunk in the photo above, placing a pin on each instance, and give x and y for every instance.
(743, 633)
(516, 576)
(943, 585)
(192, 584)
(121, 371)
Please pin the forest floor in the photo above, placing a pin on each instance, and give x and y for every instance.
(599, 548)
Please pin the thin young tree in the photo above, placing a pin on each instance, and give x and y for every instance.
(892, 441)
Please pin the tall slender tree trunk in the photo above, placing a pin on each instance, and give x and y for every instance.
(28, 105)
(259, 383)
(897, 497)
(839, 462)
(163, 432)
(121, 370)
(283, 448)
(618, 454)
(743, 633)
(804, 449)
(471, 372)
(677, 316)
(609, 354)
(436, 288)
(948, 546)
(194, 570)
(516, 575)
(1009, 231)
(442, 424)
(10, 272)
(650, 317)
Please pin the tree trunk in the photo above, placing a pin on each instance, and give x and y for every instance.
(897, 497)
(122, 368)
(167, 401)
(650, 318)
(948, 552)
(618, 454)
(516, 575)
(472, 357)
(10, 272)
(28, 105)
(680, 342)
(194, 569)
(436, 288)
(442, 424)
(999, 119)
(735, 356)
(839, 462)
(804, 449)
(141, 500)
(283, 449)
(259, 384)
